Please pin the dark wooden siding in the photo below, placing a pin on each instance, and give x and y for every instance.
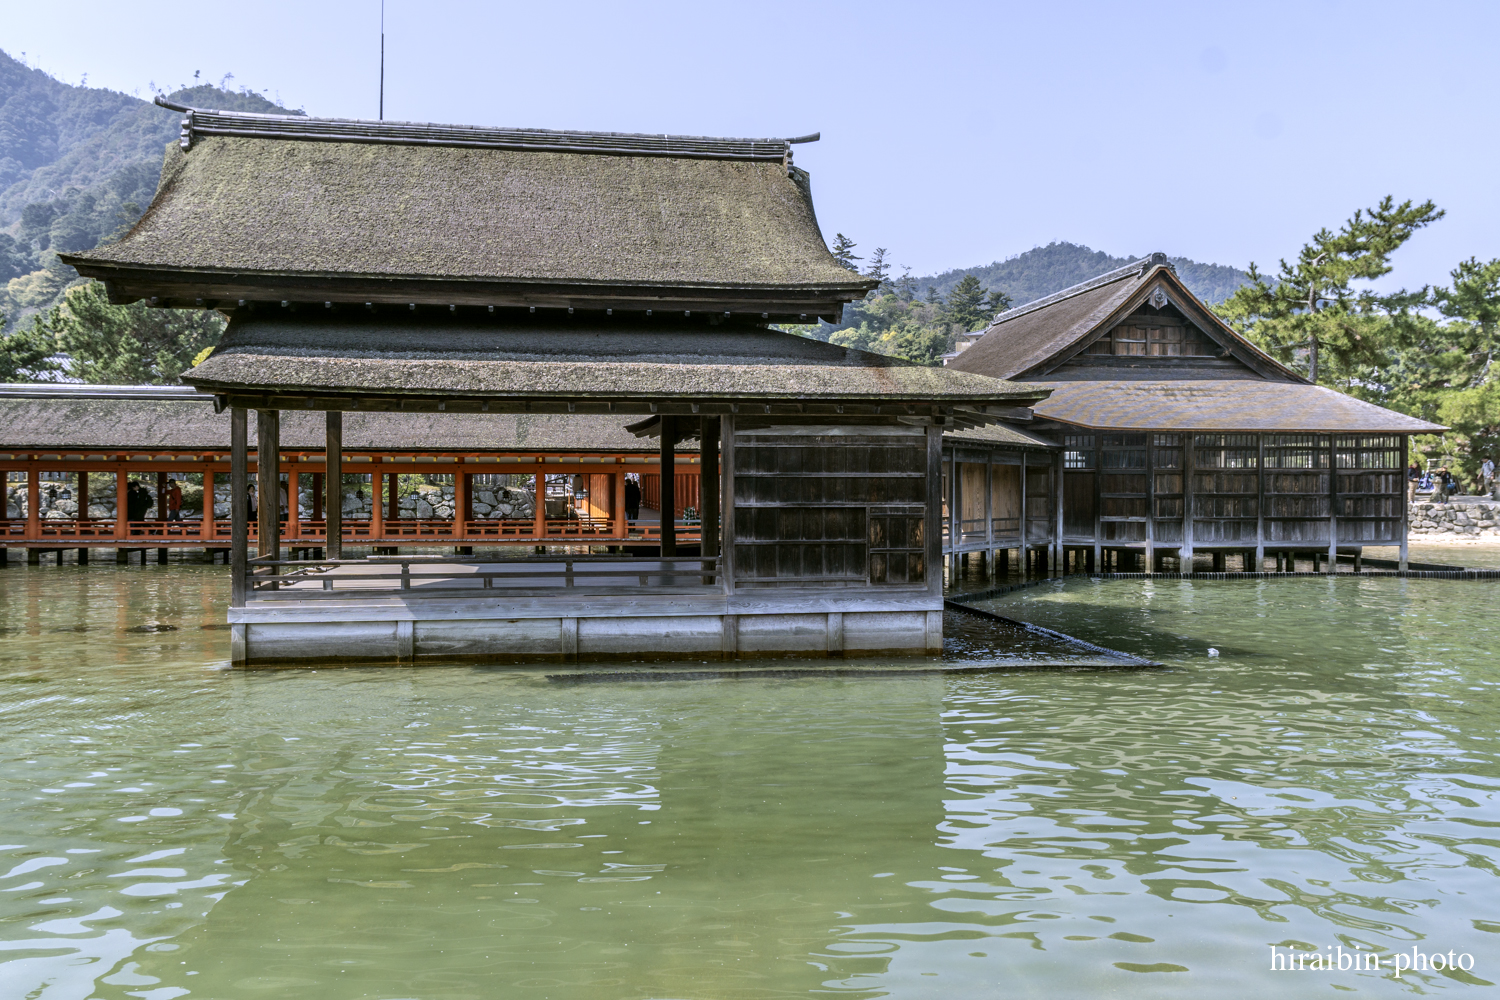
(829, 510)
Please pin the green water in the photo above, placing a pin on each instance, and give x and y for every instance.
(171, 828)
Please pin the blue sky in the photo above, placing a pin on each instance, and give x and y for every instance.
(953, 133)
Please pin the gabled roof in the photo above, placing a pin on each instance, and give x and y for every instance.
(1221, 405)
(1030, 340)
(629, 365)
(285, 207)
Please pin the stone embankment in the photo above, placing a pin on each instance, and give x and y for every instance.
(1471, 517)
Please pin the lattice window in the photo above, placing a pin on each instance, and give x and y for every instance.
(1078, 451)
(1226, 451)
(1138, 339)
(1122, 451)
(1367, 451)
(1297, 451)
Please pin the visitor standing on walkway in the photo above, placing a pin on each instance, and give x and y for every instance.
(1443, 485)
(174, 501)
(632, 499)
(1487, 476)
(1413, 480)
(137, 501)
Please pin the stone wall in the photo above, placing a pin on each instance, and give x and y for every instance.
(1467, 516)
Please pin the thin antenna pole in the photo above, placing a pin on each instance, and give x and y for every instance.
(382, 60)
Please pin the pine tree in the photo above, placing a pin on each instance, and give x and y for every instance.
(843, 251)
(24, 353)
(906, 286)
(1310, 305)
(998, 302)
(130, 344)
(965, 305)
(878, 269)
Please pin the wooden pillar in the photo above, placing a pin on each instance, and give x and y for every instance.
(1150, 503)
(206, 525)
(1025, 562)
(1260, 502)
(1405, 492)
(239, 509)
(1333, 503)
(617, 510)
(316, 492)
(122, 508)
(333, 483)
(989, 516)
(293, 504)
(539, 514)
(668, 486)
(1189, 470)
(377, 502)
(461, 513)
(268, 482)
(393, 496)
(33, 504)
(1061, 556)
(726, 509)
(708, 488)
(82, 496)
(934, 519)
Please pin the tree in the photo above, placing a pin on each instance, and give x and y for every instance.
(843, 251)
(1310, 305)
(1472, 406)
(24, 354)
(966, 304)
(906, 286)
(879, 269)
(130, 344)
(998, 301)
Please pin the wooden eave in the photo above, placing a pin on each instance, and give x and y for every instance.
(1187, 303)
(180, 289)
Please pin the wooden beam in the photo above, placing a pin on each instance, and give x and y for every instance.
(1405, 492)
(708, 488)
(934, 519)
(726, 506)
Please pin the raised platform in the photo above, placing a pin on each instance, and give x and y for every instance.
(513, 611)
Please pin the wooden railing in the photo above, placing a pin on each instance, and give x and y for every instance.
(425, 577)
(60, 531)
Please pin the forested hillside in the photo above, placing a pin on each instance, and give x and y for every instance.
(77, 164)
(1044, 270)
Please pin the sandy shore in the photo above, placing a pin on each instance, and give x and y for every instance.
(1452, 550)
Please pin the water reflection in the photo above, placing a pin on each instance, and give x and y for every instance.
(179, 830)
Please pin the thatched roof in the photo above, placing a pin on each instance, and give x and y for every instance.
(620, 361)
(1001, 436)
(282, 207)
(191, 425)
(1029, 341)
(1220, 405)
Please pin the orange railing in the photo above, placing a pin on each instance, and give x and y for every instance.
(411, 531)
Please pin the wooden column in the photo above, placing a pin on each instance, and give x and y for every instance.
(82, 496)
(460, 503)
(934, 519)
(206, 525)
(1405, 491)
(1333, 503)
(1025, 562)
(726, 502)
(33, 504)
(1150, 502)
(989, 516)
(293, 504)
(539, 513)
(617, 511)
(333, 482)
(1189, 467)
(377, 502)
(161, 496)
(268, 482)
(955, 517)
(316, 492)
(1260, 502)
(668, 487)
(1096, 441)
(1059, 553)
(393, 496)
(708, 488)
(239, 510)
(122, 510)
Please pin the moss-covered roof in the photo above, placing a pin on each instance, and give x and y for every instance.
(264, 204)
(622, 360)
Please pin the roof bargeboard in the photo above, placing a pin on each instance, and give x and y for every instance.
(1031, 340)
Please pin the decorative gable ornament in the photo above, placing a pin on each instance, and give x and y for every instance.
(1159, 298)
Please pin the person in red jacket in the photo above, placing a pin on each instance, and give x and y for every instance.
(174, 501)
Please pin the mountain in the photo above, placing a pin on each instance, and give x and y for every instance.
(1043, 270)
(76, 165)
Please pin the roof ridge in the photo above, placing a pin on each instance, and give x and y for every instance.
(1109, 277)
(208, 121)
